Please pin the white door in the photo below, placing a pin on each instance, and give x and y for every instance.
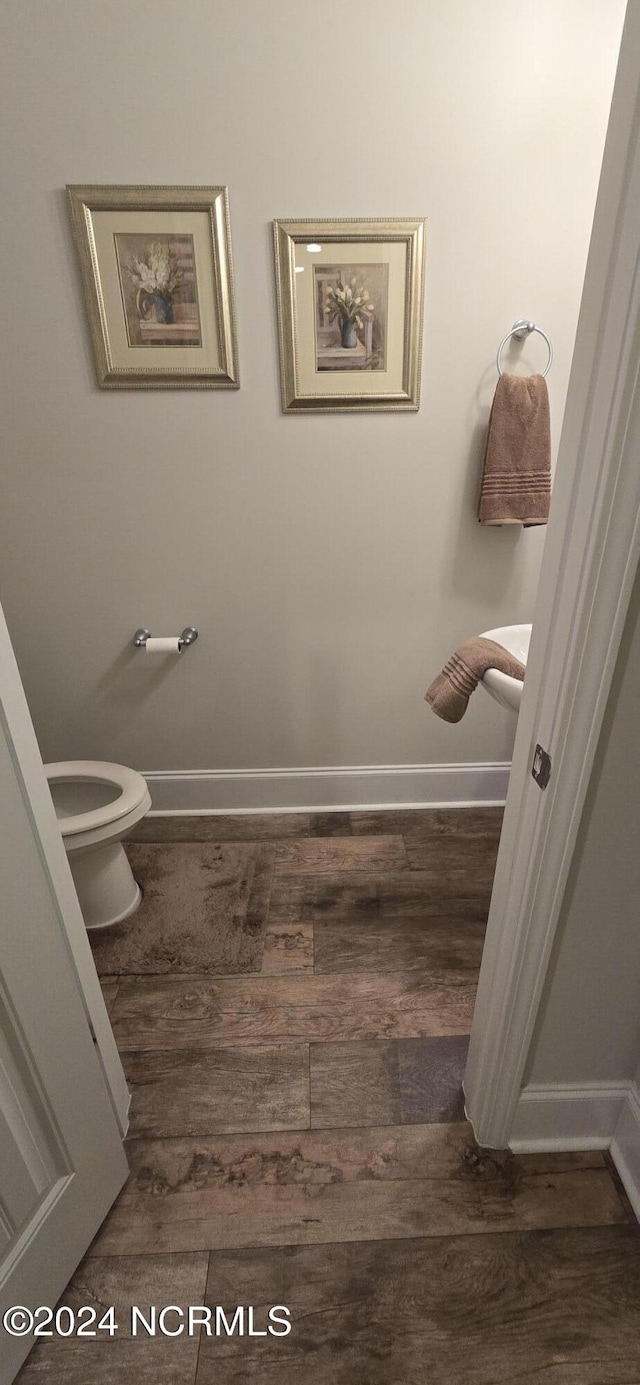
(590, 561)
(61, 1157)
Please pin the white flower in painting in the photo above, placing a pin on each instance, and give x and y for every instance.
(343, 302)
(158, 271)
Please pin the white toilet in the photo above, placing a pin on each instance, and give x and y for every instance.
(96, 805)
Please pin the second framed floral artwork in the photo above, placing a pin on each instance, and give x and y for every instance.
(349, 314)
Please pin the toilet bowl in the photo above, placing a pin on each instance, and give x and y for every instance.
(96, 804)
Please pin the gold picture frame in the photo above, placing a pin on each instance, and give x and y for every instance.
(350, 298)
(157, 275)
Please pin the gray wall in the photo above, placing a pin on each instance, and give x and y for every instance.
(589, 1024)
(331, 563)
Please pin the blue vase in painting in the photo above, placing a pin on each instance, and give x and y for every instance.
(163, 308)
(348, 334)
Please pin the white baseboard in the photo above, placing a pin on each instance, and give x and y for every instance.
(567, 1116)
(590, 1115)
(625, 1147)
(363, 786)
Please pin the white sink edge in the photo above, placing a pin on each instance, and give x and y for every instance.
(503, 689)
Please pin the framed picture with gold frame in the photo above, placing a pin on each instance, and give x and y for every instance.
(158, 285)
(349, 314)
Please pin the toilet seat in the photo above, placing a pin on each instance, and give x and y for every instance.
(129, 794)
(92, 832)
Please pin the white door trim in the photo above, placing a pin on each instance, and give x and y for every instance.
(590, 560)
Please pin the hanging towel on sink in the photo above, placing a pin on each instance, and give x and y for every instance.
(516, 481)
(449, 694)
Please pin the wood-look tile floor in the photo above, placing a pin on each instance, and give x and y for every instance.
(292, 1003)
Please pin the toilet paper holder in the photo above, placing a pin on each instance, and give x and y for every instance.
(189, 636)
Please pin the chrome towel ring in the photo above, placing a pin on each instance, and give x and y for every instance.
(521, 329)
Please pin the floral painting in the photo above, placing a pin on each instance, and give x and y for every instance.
(351, 304)
(350, 318)
(157, 277)
(159, 289)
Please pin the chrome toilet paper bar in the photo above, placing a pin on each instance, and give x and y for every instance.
(189, 636)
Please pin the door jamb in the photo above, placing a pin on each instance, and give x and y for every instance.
(590, 561)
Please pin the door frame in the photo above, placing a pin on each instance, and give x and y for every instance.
(25, 753)
(590, 561)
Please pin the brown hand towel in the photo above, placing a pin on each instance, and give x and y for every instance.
(516, 483)
(449, 693)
